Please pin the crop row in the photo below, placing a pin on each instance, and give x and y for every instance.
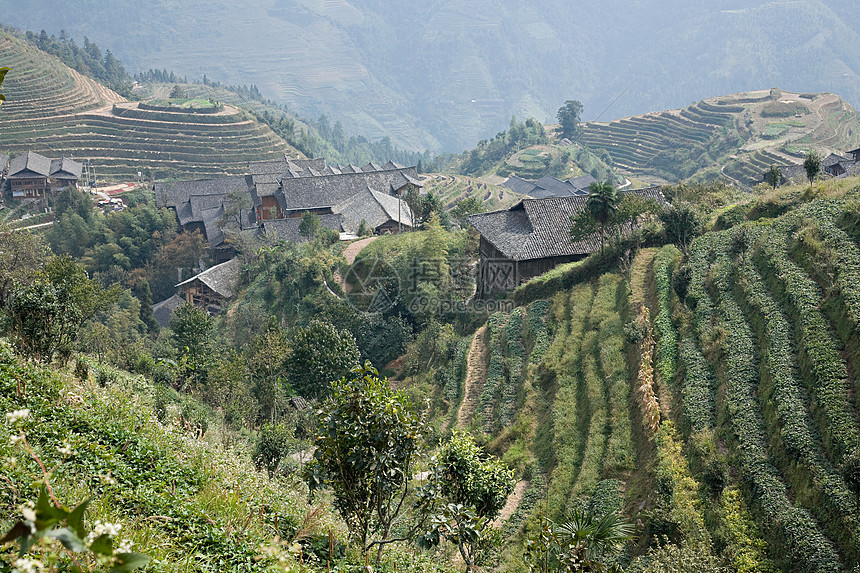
(564, 360)
(782, 395)
(697, 387)
(536, 330)
(821, 365)
(795, 532)
(495, 371)
(667, 337)
(515, 355)
(606, 319)
(830, 256)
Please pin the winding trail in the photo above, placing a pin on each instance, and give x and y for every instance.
(476, 375)
(513, 502)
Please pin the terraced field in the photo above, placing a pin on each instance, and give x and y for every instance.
(454, 188)
(734, 136)
(718, 407)
(55, 111)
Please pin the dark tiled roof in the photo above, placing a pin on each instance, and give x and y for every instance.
(65, 168)
(582, 182)
(174, 193)
(540, 228)
(220, 278)
(373, 207)
(519, 185)
(329, 190)
(31, 162)
(164, 309)
(851, 170)
(288, 229)
(833, 159)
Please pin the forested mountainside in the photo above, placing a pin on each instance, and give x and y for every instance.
(442, 76)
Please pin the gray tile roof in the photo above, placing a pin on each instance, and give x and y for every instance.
(373, 207)
(851, 170)
(220, 278)
(65, 168)
(175, 193)
(329, 190)
(288, 229)
(164, 309)
(29, 163)
(582, 182)
(519, 185)
(540, 228)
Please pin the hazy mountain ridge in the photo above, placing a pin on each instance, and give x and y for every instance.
(413, 72)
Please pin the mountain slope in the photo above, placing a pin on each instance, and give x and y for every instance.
(444, 75)
(54, 110)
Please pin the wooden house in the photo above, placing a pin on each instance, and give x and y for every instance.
(211, 288)
(383, 213)
(34, 175)
(531, 238)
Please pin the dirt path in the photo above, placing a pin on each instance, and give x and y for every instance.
(513, 502)
(639, 272)
(476, 374)
(353, 249)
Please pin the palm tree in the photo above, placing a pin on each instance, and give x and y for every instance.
(585, 539)
(601, 204)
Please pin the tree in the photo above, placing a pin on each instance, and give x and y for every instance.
(600, 206)
(568, 118)
(320, 353)
(582, 543)
(310, 225)
(272, 446)
(46, 315)
(812, 166)
(370, 441)
(21, 258)
(2, 76)
(682, 223)
(773, 176)
(191, 335)
(178, 92)
(466, 489)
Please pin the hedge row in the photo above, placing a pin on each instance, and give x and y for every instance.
(667, 337)
(793, 531)
(821, 488)
(564, 360)
(830, 256)
(515, 355)
(820, 363)
(605, 318)
(495, 371)
(536, 330)
(697, 387)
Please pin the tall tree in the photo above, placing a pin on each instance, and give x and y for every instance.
(568, 119)
(773, 176)
(370, 441)
(601, 205)
(320, 353)
(812, 166)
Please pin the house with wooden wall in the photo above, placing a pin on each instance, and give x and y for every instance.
(531, 238)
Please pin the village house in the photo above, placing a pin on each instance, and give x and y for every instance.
(34, 175)
(271, 200)
(834, 165)
(531, 238)
(211, 288)
(548, 186)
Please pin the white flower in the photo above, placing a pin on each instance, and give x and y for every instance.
(28, 512)
(10, 462)
(107, 479)
(66, 450)
(103, 528)
(25, 565)
(125, 546)
(15, 439)
(17, 416)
